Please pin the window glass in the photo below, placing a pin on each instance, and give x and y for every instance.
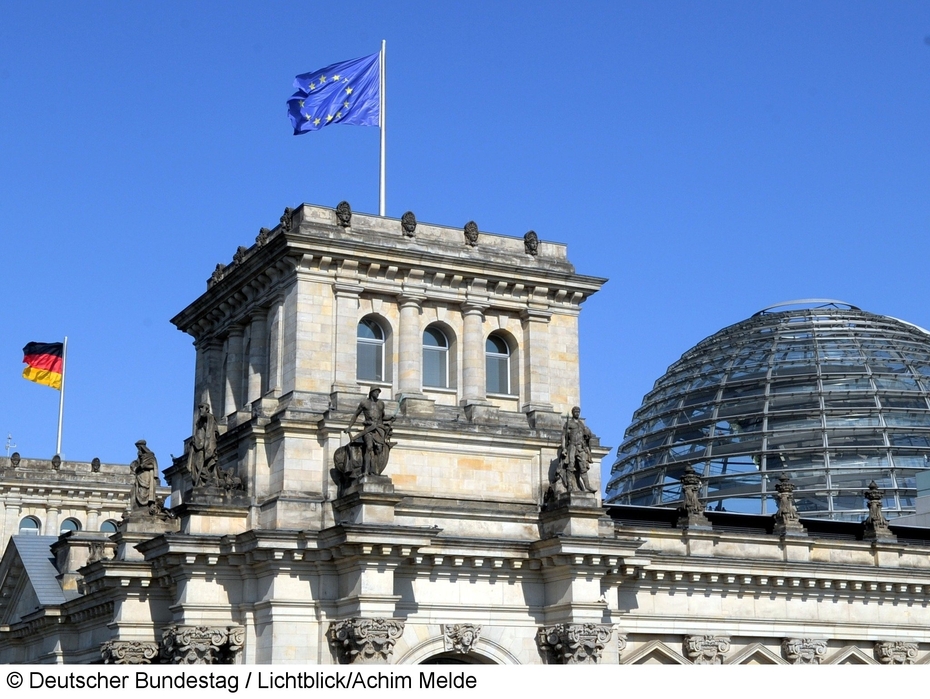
(29, 525)
(69, 525)
(370, 352)
(109, 527)
(435, 359)
(497, 365)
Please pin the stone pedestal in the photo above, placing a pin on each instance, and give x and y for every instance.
(573, 513)
(693, 521)
(481, 411)
(137, 527)
(543, 417)
(369, 501)
(417, 405)
(210, 510)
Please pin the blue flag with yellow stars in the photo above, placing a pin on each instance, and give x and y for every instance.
(343, 93)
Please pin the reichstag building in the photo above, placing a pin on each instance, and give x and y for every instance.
(388, 463)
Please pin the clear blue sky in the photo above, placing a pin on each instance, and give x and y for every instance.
(710, 158)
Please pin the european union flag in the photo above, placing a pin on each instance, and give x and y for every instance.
(343, 93)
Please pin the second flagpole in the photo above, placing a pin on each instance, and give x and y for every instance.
(381, 206)
(61, 395)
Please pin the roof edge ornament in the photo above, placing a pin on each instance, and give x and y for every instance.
(814, 303)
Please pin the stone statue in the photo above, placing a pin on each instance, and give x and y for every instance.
(287, 218)
(575, 454)
(471, 233)
(787, 518)
(787, 510)
(374, 440)
(95, 465)
(691, 487)
(344, 214)
(531, 243)
(145, 471)
(409, 223)
(15, 458)
(202, 461)
(876, 526)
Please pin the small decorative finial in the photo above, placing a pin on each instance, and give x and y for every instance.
(409, 223)
(471, 233)
(344, 214)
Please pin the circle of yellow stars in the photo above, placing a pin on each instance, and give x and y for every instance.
(345, 105)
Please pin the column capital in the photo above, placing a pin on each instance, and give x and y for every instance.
(345, 289)
(258, 313)
(236, 330)
(471, 308)
(536, 315)
(405, 299)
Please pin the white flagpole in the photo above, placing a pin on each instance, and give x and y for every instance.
(382, 119)
(61, 395)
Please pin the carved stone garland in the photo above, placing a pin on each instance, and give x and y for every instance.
(803, 651)
(129, 652)
(460, 638)
(896, 653)
(202, 645)
(569, 644)
(706, 650)
(365, 640)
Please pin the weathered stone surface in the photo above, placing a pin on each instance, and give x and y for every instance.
(569, 644)
(201, 645)
(365, 641)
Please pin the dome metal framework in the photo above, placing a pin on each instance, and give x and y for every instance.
(835, 396)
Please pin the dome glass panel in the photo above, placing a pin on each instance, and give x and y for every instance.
(833, 395)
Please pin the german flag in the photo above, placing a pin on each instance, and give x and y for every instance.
(45, 364)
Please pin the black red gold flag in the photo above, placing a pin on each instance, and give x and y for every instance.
(44, 363)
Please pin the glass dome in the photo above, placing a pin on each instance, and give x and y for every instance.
(835, 396)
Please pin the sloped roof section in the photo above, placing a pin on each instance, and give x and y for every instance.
(36, 555)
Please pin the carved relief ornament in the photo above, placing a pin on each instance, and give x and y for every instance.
(895, 653)
(460, 638)
(365, 640)
(569, 644)
(129, 652)
(706, 650)
(803, 651)
(202, 645)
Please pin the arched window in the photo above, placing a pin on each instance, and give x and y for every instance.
(29, 525)
(497, 365)
(435, 358)
(69, 525)
(370, 351)
(109, 527)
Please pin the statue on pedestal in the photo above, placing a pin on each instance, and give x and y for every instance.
(575, 454)
(202, 462)
(145, 478)
(368, 451)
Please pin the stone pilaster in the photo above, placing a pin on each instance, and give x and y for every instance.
(347, 296)
(474, 388)
(51, 520)
(410, 346)
(233, 398)
(275, 377)
(258, 355)
(365, 641)
(571, 644)
(536, 359)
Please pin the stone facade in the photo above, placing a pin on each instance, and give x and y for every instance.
(53, 492)
(460, 549)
